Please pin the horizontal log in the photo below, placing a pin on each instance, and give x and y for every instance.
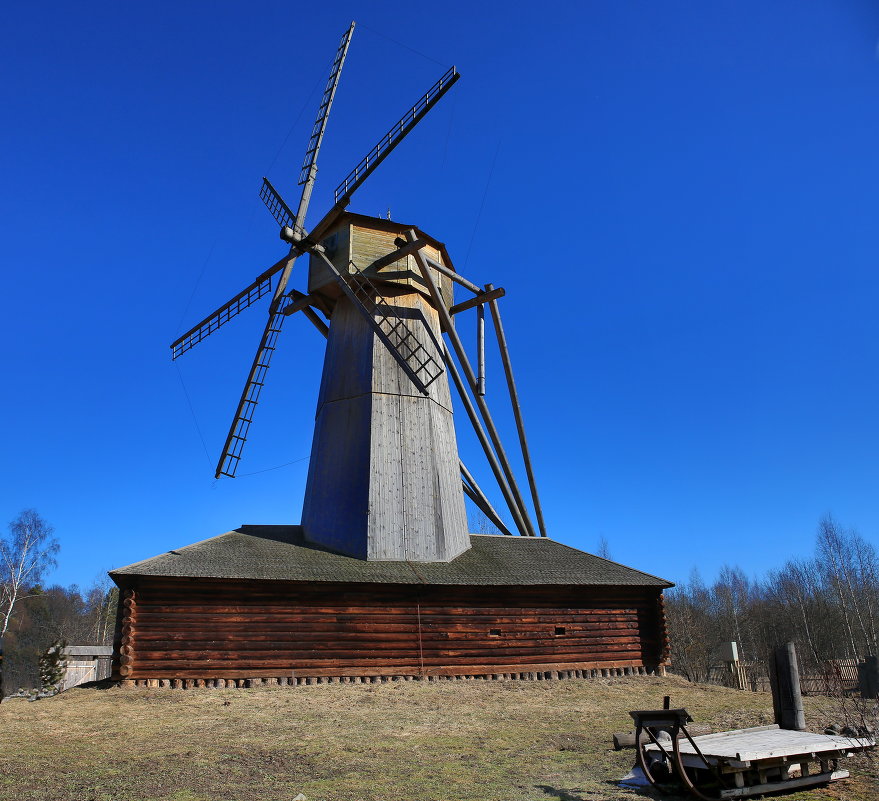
(259, 634)
(171, 622)
(626, 739)
(482, 297)
(246, 658)
(337, 588)
(331, 589)
(445, 647)
(373, 618)
(292, 617)
(170, 604)
(320, 633)
(391, 606)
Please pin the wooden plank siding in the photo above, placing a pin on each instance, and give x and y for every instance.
(178, 628)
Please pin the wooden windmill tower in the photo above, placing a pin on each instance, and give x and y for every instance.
(385, 481)
(382, 578)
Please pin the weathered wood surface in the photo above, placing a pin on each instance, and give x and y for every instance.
(490, 427)
(174, 628)
(787, 699)
(383, 479)
(478, 300)
(370, 248)
(767, 743)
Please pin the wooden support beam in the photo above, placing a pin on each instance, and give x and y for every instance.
(482, 297)
(216, 318)
(475, 493)
(396, 255)
(471, 380)
(468, 491)
(441, 268)
(368, 316)
(319, 324)
(304, 303)
(301, 301)
(483, 440)
(517, 410)
(480, 350)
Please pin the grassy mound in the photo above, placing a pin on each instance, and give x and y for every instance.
(406, 741)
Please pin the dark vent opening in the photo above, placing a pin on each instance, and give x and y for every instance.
(560, 630)
(494, 632)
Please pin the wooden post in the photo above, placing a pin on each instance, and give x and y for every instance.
(517, 409)
(458, 279)
(449, 328)
(787, 700)
(319, 324)
(868, 677)
(481, 500)
(483, 440)
(480, 350)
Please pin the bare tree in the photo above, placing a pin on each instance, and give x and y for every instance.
(101, 602)
(732, 601)
(603, 548)
(693, 633)
(26, 554)
(839, 565)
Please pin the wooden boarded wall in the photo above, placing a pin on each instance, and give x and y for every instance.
(224, 629)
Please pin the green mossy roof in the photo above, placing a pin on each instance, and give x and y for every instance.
(280, 553)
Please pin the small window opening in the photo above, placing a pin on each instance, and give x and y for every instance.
(494, 632)
(560, 630)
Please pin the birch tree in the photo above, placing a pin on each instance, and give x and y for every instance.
(26, 553)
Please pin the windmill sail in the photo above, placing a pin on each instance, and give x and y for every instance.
(320, 124)
(276, 205)
(237, 436)
(394, 136)
(261, 285)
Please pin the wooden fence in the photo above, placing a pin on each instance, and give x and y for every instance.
(831, 678)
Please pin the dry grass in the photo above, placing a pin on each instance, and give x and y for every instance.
(412, 741)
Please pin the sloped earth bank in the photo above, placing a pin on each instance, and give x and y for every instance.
(400, 741)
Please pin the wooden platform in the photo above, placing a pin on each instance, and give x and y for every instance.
(767, 758)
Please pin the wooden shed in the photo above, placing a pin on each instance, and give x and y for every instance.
(85, 663)
(261, 602)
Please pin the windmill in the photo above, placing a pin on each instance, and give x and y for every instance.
(385, 481)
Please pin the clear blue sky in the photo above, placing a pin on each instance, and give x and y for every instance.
(680, 199)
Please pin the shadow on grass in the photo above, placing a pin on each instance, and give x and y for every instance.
(576, 794)
(102, 684)
(562, 794)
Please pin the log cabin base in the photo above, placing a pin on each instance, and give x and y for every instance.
(384, 678)
(522, 608)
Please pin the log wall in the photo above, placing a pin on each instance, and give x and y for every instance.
(207, 629)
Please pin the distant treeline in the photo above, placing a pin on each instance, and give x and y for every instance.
(826, 604)
(43, 617)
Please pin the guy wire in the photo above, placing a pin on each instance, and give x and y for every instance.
(401, 44)
(194, 418)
